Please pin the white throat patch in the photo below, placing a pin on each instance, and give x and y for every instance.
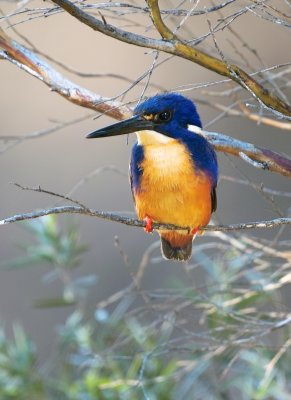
(195, 129)
(152, 137)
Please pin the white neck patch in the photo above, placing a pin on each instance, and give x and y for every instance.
(152, 137)
(195, 129)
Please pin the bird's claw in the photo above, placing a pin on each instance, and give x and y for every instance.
(149, 224)
(195, 230)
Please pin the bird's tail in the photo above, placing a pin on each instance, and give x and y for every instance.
(176, 246)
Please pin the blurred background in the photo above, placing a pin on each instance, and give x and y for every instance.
(63, 159)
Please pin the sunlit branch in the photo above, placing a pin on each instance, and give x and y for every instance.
(173, 45)
(35, 66)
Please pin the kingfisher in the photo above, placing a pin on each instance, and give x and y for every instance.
(173, 169)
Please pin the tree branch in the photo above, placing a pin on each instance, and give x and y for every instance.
(172, 45)
(140, 224)
(37, 67)
(177, 12)
(271, 160)
(164, 31)
(245, 113)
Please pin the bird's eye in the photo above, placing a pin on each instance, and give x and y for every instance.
(164, 116)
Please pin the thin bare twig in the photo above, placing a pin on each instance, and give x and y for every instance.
(40, 190)
(260, 188)
(246, 114)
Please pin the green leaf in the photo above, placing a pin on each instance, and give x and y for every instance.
(54, 302)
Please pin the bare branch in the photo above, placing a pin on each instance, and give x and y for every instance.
(222, 67)
(158, 22)
(121, 9)
(246, 114)
(141, 224)
(46, 131)
(34, 65)
(271, 160)
(182, 49)
(95, 172)
(174, 12)
(259, 188)
(40, 190)
(256, 164)
(172, 45)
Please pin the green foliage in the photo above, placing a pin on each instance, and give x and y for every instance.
(19, 379)
(222, 340)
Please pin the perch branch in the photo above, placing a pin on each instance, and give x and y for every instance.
(172, 45)
(37, 67)
(137, 223)
(245, 113)
(257, 156)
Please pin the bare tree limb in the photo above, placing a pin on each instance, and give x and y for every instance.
(245, 113)
(84, 211)
(172, 45)
(34, 65)
(140, 224)
(271, 160)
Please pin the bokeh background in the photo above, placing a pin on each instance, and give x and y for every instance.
(58, 161)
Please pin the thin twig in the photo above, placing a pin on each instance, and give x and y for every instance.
(40, 190)
(260, 188)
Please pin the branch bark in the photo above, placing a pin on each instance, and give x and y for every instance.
(37, 67)
(245, 113)
(173, 45)
(265, 158)
(31, 63)
(141, 224)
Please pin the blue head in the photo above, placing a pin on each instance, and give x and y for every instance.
(167, 113)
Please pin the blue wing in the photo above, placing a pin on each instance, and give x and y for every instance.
(204, 158)
(137, 156)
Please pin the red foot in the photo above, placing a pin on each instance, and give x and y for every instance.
(149, 224)
(195, 230)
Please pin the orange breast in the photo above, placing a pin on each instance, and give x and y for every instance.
(171, 189)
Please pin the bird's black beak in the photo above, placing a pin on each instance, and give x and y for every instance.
(134, 124)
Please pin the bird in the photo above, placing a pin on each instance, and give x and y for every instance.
(173, 169)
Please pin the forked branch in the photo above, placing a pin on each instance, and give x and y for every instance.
(31, 63)
(171, 44)
(37, 67)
